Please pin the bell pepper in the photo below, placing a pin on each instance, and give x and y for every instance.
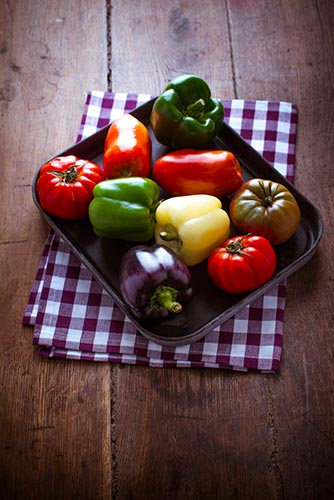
(127, 149)
(190, 171)
(185, 115)
(124, 208)
(192, 226)
(154, 282)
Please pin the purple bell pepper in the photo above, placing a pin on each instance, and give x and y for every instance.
(154, 282)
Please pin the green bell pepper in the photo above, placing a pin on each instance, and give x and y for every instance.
(124, 208)
(185, 115)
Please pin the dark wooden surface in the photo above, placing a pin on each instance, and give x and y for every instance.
(71, 430)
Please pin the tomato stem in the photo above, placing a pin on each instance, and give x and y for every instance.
(267, 199)
(235, 246)
(69, 175)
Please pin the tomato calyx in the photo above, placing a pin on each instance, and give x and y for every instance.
(267, 199)
(236, 247)
(68, 176)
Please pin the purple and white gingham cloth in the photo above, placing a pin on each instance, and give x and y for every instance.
(74, 318)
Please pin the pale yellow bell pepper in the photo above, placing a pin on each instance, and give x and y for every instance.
(192, 226)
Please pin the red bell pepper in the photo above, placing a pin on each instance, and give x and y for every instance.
(127, 149)
(192, 171)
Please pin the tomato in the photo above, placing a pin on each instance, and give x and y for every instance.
(65, 186)
(127, 149)
(190, 171)
(242, 263)
(267, 209)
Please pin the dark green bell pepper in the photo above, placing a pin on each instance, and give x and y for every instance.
(124, 208)
(185, 115)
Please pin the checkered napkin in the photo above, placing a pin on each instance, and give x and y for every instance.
(74, 318)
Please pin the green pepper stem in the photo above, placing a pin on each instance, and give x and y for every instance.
(195, 109)
(169, 233)
(165, 297)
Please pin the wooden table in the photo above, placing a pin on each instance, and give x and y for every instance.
(79, 430)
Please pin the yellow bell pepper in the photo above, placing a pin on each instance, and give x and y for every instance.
(192, 226)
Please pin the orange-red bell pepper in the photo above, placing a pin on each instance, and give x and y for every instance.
(127, 149)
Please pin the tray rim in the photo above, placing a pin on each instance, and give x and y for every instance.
(228, 313)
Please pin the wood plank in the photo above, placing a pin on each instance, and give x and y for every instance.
(185, 433)
(289, 56)
(189, 434)
(153, 42)
(54, 417)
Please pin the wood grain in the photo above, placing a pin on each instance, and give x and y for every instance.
(258, 50)
(55, 416)
(188, 434)
(292, 59)
(153, 42)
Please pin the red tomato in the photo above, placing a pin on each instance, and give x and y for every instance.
(65, 186)
(242, 263)
(127, 149)
(265, 208)
(192, 171)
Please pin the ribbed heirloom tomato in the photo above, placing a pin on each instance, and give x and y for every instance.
(65, 186)
(242, 263)
(267, 209)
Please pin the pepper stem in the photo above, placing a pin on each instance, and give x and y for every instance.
(195, 109)
(165, 297)
(169, 233)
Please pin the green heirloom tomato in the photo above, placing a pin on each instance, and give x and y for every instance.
(265, 208)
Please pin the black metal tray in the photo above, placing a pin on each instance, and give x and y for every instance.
(209, 306)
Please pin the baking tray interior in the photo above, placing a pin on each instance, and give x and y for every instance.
(209, 306)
